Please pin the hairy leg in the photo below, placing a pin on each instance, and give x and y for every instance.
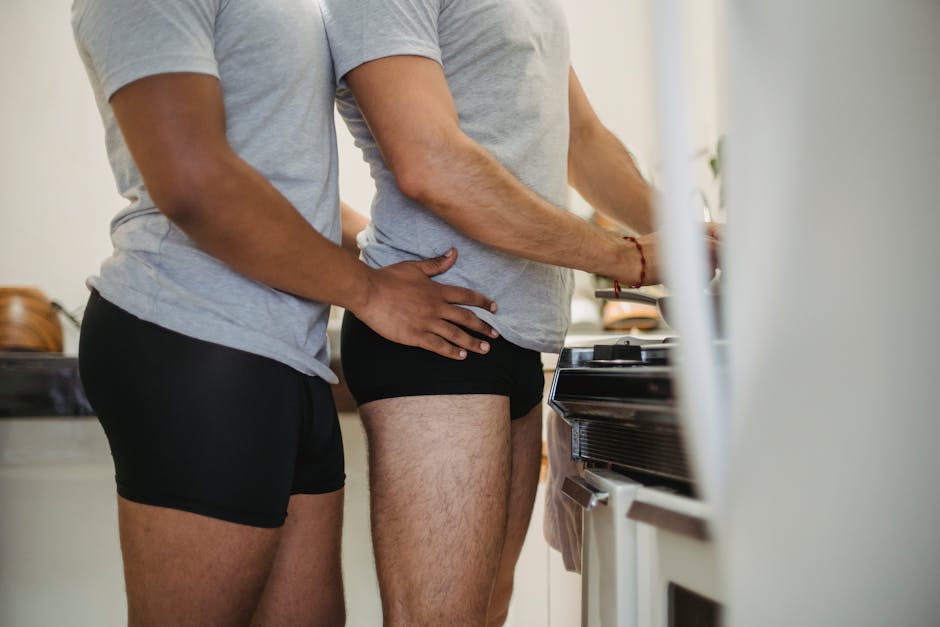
(305, 586)
(186, 569)
(526, 464)
(439, 478)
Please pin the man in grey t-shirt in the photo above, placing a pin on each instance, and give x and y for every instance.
(474, 124)
(203, 347)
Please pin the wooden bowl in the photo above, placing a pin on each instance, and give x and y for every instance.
(28, 321)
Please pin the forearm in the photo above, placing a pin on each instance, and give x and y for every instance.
(473, 192)
(353, 224)
(605, 174)
(237, 216)
(411, 113)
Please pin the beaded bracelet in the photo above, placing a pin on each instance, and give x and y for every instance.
(639, 283)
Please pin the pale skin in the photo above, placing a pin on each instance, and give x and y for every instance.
(410, 111)
(449, 525)
(187, 569)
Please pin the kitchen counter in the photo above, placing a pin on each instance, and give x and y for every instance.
(44, 385)
(40, 384)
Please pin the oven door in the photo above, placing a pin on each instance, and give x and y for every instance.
(679, 581)
(609, 549)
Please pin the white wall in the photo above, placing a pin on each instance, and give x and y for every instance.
(611, 52)
(56, 190)
(833, 513)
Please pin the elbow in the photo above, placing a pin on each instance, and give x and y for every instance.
(423, 167)
(413, 182)
(177, 205)
(182, 193)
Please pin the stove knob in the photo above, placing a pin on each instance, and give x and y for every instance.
(626, 351)
(609, 352)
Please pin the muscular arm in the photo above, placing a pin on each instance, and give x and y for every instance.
(601, 168)
(174, 126)
(409, 108)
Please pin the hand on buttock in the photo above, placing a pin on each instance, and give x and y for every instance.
(404, 305)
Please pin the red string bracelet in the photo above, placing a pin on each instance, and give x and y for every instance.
(639, 283)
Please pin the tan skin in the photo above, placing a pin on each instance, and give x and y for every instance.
(410, 111)
(187, 569)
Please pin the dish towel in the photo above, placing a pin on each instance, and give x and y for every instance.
(562, 519)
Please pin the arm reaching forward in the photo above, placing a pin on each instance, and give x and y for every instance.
(409, 108)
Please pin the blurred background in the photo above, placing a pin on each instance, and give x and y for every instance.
(826, 509)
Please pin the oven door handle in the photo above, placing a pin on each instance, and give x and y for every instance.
(583, 493)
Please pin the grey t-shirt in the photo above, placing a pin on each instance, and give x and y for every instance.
(506, 62)
(273, 62)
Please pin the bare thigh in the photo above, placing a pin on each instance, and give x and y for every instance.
(186, 569)
(526, 465)
(439, 478)
(305, 586)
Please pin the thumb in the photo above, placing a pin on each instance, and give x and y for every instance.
(439, 265)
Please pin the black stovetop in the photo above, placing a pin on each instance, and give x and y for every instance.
(619, 399)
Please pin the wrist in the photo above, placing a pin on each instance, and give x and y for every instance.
(637, 272)
(614, 257)
(361, 289)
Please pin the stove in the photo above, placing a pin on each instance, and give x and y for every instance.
(620, 401)
(647, 559)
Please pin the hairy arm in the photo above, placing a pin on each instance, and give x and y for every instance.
(409, 108)
(174, 126)
(602, 169)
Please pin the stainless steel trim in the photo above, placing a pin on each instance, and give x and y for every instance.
(676, 522)
(575, 439)
(551, 397)
(629, 295)
(583, 493)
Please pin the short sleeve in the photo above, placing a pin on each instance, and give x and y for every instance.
(126, 40)
(364, 30)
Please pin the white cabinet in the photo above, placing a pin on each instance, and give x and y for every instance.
(545, 595)
(60, 560)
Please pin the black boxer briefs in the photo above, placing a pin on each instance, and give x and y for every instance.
(205, 428)
(376, 368)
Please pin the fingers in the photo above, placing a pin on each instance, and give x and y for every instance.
(464, 296)
(468, 320)
(453, 334)
(438, 265)
(451, 341)
(437, 344)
